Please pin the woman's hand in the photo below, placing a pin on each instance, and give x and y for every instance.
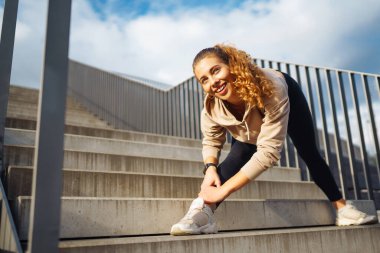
(211, 178)
(212, 194)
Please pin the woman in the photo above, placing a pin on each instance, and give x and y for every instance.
(259, 107)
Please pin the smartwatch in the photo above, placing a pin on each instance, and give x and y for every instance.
(209, 165)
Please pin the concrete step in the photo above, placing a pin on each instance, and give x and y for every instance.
(24, 156)
(24, 102)
(82, 183)
(80, 116)
(71, 104)
(327, 239)
(69, 120)
(28, 124)
(25, 138)
(97, 217)
(29, 95)
(17, 137)
(31, 109)
(114, 134)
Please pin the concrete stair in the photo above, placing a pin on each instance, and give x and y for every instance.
(20, 150)
(296, 240)
(87, 183)
(23, 104)
(112, 134)
(100, 217)
(123, 190)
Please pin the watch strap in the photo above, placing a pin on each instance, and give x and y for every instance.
(207, 165)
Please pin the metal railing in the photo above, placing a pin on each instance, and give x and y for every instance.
(9, 241)
(44, 223)
(128, 104)
(338, 100)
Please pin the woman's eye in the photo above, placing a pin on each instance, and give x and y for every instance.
(216, 70)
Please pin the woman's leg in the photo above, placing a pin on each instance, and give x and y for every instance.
(301, 131)
(200, 219)
(239, 155)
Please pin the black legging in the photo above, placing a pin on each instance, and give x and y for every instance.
(301, 131)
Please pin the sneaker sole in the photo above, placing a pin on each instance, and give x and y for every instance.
(207, 229)
(366, 221)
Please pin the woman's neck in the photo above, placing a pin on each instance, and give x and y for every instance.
(236, 109)
(240, 106)
(235, 101)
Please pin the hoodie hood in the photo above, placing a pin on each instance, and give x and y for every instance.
(216, 109)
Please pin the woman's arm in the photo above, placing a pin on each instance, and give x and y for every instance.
(212, 194)
(235, 183)
(211, 175)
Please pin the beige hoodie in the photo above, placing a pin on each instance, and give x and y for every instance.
(267, 129)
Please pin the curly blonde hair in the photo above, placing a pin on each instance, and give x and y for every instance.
(250, 83)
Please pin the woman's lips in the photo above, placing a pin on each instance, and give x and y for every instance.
(222, 90)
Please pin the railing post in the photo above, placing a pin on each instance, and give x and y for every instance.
(363, 152)
(350, 146)
(6, 57)
(47, 177)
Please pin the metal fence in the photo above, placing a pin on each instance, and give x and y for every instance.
(9, 240)
(343, 104)
(44, 223)
(128, 104)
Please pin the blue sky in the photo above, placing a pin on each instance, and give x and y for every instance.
(135, 8)
(158, 39)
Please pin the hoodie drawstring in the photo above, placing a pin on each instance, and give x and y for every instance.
(246, 126)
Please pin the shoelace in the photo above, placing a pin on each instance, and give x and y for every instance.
(351, 207)
(191, 213)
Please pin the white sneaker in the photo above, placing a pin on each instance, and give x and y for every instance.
(198, 220)
(349, 215)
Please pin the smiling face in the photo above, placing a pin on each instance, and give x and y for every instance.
(215, 77)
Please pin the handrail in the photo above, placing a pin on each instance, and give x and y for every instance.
(44, 223)
(9, 240)
(6, 57)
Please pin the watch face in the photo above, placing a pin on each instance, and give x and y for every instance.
(210, 164)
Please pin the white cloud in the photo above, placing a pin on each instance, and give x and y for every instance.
(29, 42)
(161, 46)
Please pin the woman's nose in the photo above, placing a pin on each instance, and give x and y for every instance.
(215, 81)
